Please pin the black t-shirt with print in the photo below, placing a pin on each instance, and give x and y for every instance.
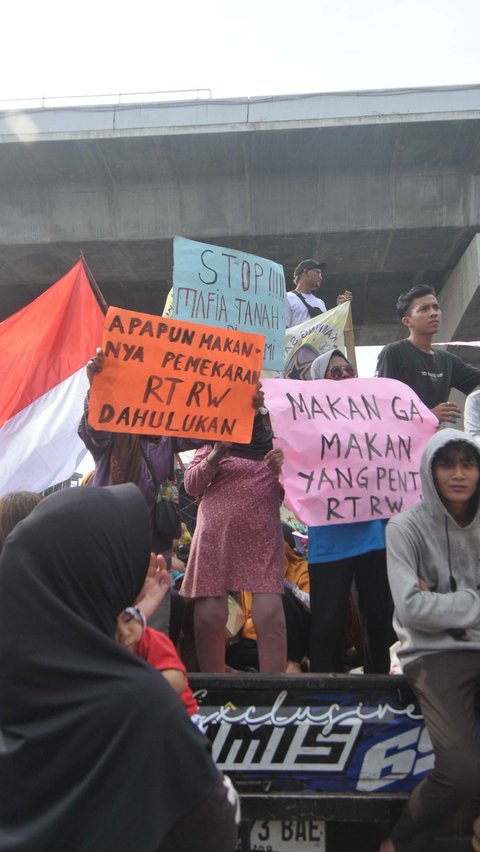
(431, 376)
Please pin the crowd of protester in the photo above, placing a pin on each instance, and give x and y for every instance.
(104, 613)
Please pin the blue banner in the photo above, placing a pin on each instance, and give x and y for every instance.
(231, 289)
(316, 740)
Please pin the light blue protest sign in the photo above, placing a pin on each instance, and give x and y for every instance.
(231, 289)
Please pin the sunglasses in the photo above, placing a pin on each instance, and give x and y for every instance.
(339, 372)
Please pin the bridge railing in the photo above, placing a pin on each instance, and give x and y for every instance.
(109, 98)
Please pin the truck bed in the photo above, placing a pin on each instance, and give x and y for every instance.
(317, 759)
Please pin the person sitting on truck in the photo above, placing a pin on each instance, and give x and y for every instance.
(158, 650)
(243, 653)
(434, 572)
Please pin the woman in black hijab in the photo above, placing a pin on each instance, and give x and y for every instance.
(96, 751)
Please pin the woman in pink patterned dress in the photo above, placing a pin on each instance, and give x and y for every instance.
(237, 546)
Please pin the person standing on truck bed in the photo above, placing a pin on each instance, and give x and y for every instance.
(431, 373)
(337, 554)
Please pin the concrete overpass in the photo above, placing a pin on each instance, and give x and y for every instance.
(383, 185)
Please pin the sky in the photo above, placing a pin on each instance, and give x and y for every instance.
(235, 48)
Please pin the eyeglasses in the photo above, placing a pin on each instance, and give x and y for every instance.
(339, 372)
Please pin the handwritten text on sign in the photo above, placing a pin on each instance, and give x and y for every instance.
(231, 289)
(352, 448)
(167, 377)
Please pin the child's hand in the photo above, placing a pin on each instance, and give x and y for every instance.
(422, 585)
(156, 586)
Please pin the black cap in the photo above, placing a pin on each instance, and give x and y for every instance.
(310, 263)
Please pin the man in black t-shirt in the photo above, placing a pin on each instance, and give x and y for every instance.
(430, 373)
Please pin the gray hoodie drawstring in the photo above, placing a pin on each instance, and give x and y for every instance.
(453, 582)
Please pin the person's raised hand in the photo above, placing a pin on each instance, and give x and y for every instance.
(156, 585)
(346, 296)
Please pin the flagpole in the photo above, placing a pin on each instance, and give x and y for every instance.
(93, 284)
(349, 339)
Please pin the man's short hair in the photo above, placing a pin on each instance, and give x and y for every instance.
(457, 449)
(310, 263)
(404, 301)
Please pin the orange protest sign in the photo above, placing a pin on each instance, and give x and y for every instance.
(167, 377)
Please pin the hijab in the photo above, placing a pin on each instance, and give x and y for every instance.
(319, 367)
(96, 751)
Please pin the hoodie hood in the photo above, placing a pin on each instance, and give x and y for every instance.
(431, 499)
(320, 366)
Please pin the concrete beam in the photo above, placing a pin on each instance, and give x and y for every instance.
(331, 109)
(351, 207)
(384, 186)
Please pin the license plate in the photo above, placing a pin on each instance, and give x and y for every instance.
(288, 835)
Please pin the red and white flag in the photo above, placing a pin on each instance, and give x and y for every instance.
(44, 349)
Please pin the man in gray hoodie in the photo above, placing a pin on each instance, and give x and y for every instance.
(433, 556)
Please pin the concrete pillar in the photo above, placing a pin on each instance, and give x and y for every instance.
(460, 296)
(460, 302)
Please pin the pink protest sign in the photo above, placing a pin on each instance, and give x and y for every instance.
(352, 448)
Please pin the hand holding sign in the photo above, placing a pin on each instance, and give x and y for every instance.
(221, 450)
(95, 365)
(274, 460)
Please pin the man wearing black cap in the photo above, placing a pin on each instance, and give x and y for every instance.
(301, 305)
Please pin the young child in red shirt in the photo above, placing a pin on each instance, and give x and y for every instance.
(158, 650)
